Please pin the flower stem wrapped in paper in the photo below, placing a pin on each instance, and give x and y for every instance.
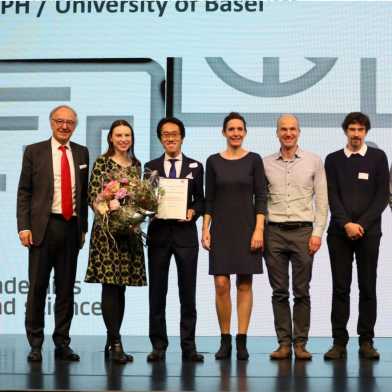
(126, 201)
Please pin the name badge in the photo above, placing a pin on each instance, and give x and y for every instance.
(363, 176)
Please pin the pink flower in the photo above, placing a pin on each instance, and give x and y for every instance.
(99, 198)
(121, 193)
(124, 181)
(114, 205)
(113, 186)
(106, 194)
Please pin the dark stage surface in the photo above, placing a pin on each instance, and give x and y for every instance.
(258, 374)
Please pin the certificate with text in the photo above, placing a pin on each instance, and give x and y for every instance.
(173, 203)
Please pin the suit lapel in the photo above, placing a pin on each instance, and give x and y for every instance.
(49, 159)
(161, 167)
(184, 166)
(76, 160)
(184, 172)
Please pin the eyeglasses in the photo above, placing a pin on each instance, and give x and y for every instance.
(168, 135)
(60, 122)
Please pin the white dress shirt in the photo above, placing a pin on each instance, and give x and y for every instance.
(56, 159)
(177, 164)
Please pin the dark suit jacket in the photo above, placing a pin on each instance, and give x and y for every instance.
(36, 187)
(182, 234)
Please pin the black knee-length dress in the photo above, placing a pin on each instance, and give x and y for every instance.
(235, 193)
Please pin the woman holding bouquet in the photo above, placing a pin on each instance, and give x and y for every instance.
(235, 208)
(116, 260)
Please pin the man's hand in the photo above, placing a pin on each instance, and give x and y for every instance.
(189, 215)
(206, 239)
(314, 244)
(354, 230)
(257, 240)
(26, 238)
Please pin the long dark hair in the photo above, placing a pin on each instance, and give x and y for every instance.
(110, 151)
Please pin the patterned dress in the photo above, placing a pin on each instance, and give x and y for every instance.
(121, 265)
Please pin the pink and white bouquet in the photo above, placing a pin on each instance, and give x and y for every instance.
(126, 201)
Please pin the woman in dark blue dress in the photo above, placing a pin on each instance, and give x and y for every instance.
(233, 228)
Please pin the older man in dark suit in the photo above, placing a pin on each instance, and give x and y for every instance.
(166, 238)
(52, 223)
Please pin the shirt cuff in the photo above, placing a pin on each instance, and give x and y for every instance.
(318, 231)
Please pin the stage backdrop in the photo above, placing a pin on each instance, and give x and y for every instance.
(110, 60)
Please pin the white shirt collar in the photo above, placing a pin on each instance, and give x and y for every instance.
(178, 157)
(55, 144)
(361, 152)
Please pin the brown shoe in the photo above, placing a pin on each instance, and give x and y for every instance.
(282, 352)
(336, 352)
(367, 351)
(301, 352)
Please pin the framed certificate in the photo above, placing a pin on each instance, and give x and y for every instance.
(173, 203)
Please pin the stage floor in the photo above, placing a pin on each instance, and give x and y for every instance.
(258, 374)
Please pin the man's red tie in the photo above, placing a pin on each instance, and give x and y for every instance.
(66, 186)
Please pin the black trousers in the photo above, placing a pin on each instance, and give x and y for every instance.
(341, 252)
(158, 270)
(59, 251)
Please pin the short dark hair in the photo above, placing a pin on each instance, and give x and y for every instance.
(172, 120)
(356, 118)
(233, 116)
(110, 150)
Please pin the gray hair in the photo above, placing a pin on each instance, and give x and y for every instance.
(63, 107)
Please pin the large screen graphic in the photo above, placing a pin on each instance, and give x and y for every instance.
(196, 60)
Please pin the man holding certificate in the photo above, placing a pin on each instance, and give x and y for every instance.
(173, 232)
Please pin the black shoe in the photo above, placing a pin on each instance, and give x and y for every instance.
(35, 355)
(116, 353)
(224, 351)
(107, 352)
(242, 352)
(192, 356)
(66, 354)
(156, 356)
